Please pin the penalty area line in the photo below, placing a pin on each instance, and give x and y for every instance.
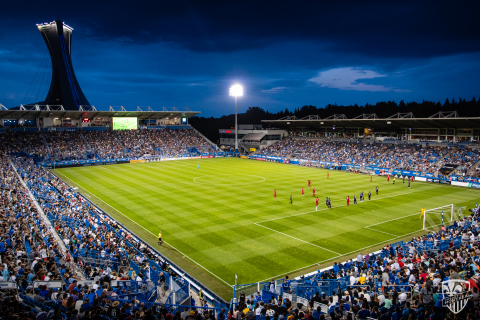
(342, 255)
(198, 264)
(391, 234)
(284, 234)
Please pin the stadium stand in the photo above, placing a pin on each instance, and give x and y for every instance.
(411, 157)
(67, 259)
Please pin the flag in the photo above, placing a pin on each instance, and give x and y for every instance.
(423, 212)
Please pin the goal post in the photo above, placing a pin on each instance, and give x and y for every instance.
(438, 216)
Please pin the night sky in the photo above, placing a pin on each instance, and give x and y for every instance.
(286, 54)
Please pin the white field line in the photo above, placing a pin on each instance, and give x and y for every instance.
(102, 167)
(155, 236)
(342, 255)
(375, 224)
(391, 234)
(299, 214)
(338, 254)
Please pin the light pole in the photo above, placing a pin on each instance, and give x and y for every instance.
(237, 91)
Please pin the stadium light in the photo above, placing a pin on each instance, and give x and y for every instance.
(236, 91)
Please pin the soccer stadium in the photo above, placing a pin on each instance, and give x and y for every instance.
(136, 214)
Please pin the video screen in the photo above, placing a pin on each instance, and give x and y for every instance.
(125, 123)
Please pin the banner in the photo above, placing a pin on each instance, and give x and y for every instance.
(8, 285)
(253, 149)
(53, 129)
(302, 301)
(49, 284)
(323, 307)
(137, 161)
(89, 283)
(288, 296)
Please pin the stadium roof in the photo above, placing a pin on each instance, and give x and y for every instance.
(254, 136)
(397, 121)
(37, 111)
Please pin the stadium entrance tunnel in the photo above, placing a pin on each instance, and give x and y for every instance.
(229, 179)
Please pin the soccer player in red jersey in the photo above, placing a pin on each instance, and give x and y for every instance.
(348, 201)
(316, 202)
(303, 192)
(388, 178)
(309, 183)
(328, 175)
(371, 177)
(275, 193)
(314, 192)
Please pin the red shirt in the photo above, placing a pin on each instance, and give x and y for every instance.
(317, 202)
(424, 277)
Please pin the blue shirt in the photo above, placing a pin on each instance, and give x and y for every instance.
(91, 297)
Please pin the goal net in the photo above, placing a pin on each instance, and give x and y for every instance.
(435, 218)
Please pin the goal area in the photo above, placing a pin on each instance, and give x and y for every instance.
(435, 218)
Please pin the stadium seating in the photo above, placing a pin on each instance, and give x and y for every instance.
(423, 159)
(105, 271)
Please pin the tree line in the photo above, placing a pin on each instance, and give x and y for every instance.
(254, 115)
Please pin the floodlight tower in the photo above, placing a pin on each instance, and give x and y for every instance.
(236, 91)
(64, 88)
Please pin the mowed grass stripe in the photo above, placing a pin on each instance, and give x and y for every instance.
(213, 222)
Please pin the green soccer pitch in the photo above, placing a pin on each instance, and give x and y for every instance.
(222, 219)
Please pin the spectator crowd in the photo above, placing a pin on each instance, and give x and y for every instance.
(49, 232)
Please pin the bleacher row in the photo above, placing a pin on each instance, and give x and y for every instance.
(401, 281)
(89, 266)
(425, 159)
(85, 145)
(101, 255)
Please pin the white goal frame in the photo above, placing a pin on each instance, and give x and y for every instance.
(447, 207)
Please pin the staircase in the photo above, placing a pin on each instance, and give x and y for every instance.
(442, 161)
(379, 156)
(472, 168)
(47, 147)
(89, 147)
(163, 299)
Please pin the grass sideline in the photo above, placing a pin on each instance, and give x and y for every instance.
(222, 219)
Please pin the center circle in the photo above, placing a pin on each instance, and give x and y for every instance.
(228, 179)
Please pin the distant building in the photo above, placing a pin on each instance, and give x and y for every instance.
(64, 88)
(251, 137)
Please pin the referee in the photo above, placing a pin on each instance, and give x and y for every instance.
(160, 237)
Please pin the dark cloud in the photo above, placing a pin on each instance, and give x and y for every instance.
(377, 28)
(187, 53)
